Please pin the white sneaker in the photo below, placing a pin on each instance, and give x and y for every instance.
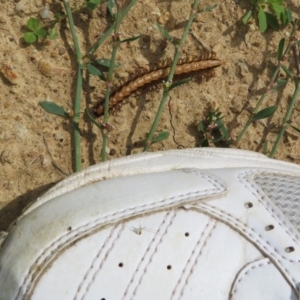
(184, 224)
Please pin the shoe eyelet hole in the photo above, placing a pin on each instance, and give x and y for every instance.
(121, 265)
(269, 227)
(248, 204)
(69, 228)
(289, 249)
(169, 267)
(187, 234)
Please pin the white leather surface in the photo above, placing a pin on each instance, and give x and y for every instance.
(202, 158)
(252, 275)
(70, 246)
(89, 208)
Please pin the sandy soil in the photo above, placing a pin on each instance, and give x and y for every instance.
(45, 71)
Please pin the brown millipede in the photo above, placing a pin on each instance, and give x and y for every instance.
(207, 62)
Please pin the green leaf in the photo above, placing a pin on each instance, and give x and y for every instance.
(208, 8)
(52, 34)
(247, 17)
(59, 16)
(177, 83)
(30, 37)
(33, 24)
(284, 18)
(41, 32)
(110, 6)
(280, 12)
(54, 109)
(91, 5)
(262, 19)
(289, 15)
(295, 128)
(217, 139)
(272, 21)
(280, 49)
(93, 120)
(279, 2)
(105, 63)
(223, 129)
(131, 39)
(205, 143)
(279, 84)
(265, 113)
(95, 72)
(165, 33)
(287, 71)
(161, 136)
(201, 126)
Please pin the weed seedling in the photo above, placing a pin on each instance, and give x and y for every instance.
(269, 12)
(213, 129)
(36, 31)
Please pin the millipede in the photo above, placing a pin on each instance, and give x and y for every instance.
(206, 63)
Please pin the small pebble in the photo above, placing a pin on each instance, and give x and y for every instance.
(6, 157)
(112, 152)
(53, 54)
(20, 7)
(46, 162)
(45, 68)
(133, 102)
(61, 50)
(44, 13)
(14, 57)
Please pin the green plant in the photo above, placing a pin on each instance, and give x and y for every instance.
(36, 31)
(90, 64)
(269, 12)
(274, 84)
(169, 85)
(213, 129)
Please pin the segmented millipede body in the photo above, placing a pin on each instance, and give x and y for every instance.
(204, 63)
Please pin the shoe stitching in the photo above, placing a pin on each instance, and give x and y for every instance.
(218, 187)
(155, 237)
(92, 266)
(242, 273)
(263, 199)
(152, 254)
(197, 258)
(191, 262)
(238, 224)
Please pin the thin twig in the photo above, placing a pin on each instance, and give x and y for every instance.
(52, 160)
(201, 43)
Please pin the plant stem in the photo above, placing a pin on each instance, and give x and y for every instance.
(101, 40)
(116, 43)
(170, 77)
(249, 122)
(77, 103)
(286, 118)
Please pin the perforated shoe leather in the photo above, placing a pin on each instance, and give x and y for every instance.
(182, 224)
